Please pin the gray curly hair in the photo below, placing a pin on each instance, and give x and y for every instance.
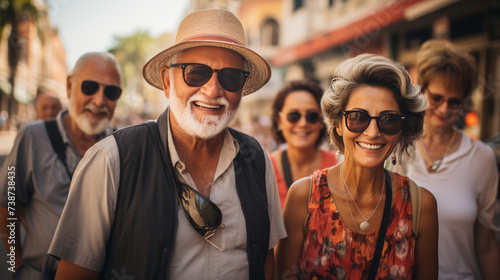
(379, 71)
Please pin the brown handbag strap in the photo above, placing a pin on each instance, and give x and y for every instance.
(416, 206)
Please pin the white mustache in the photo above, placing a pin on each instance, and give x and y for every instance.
(96, 110)
(203, 98)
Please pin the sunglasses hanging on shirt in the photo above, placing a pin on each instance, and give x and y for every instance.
(203, 215)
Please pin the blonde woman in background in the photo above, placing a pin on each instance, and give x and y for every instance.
(460, 172)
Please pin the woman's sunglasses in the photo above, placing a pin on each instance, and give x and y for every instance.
(358, 121)
(437, 99)
(196, 75)
(111, 92)
(311, 117)
(203, 215)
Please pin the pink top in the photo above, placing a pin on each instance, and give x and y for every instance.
(328, 159)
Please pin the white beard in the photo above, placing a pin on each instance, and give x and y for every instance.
(84, 123)
(209, 126)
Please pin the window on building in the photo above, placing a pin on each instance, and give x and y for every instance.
(297, 4)
(415, 38)
(467, 26)
(270, 32)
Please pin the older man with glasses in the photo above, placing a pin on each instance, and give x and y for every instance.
(184, 197)
(36, 176)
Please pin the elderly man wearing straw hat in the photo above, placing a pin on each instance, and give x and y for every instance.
(184, 197)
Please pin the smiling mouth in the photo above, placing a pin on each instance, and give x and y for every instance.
(302, 134)
(369, 146)
(206, 106)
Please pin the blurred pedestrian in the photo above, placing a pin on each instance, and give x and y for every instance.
(354, 220)
(47, 105)
(460, 172)
(35, 178)
(297, 121)
(184, 197)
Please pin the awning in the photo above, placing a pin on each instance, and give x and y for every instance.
(387, 15)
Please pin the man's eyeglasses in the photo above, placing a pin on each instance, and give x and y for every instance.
(388, 124)
(311, 117)
(437, 99)
(196, 75)
(203, 215)
(91, 87)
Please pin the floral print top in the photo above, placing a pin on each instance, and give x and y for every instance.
(332, 251)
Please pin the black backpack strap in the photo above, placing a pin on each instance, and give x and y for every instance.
(57, 143)
(286, 169)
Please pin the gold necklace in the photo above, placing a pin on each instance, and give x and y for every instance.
(433, 166)
(365, 225)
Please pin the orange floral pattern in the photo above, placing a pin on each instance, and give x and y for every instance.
(332, 251)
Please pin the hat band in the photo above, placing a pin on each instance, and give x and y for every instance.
(211, 38)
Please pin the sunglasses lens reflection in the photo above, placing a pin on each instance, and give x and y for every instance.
(357, 121)
(389, 124)
(203, 214)
(231, 79)
(197, 75)
(89, 87)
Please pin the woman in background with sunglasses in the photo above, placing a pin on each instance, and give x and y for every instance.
(460, 172)
(354, 220)
(297, 121)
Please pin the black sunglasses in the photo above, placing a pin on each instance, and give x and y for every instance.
(111, 92)
(388, 124)
(203, 215)
(437, 99)
(196, 75)
(311, 117)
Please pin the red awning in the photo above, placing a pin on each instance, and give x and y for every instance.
(387, 15)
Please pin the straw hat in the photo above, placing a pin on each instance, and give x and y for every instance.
(211, 28)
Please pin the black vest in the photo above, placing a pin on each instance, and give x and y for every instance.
(142, 238)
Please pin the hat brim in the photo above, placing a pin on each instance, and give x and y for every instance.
(260, 73)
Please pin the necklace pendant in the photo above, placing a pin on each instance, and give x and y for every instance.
(435, 165)
(364, 226)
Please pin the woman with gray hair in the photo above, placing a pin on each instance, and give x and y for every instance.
(354, 220)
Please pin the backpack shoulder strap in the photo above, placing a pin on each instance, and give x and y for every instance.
(416, 206)
(57, 143)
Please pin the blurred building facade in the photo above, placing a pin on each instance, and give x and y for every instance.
(318, 34)
(42, 64)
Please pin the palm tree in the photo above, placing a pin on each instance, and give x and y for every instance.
(13, 13)
(131, 52)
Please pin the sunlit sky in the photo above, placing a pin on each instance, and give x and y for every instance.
(91, 25)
